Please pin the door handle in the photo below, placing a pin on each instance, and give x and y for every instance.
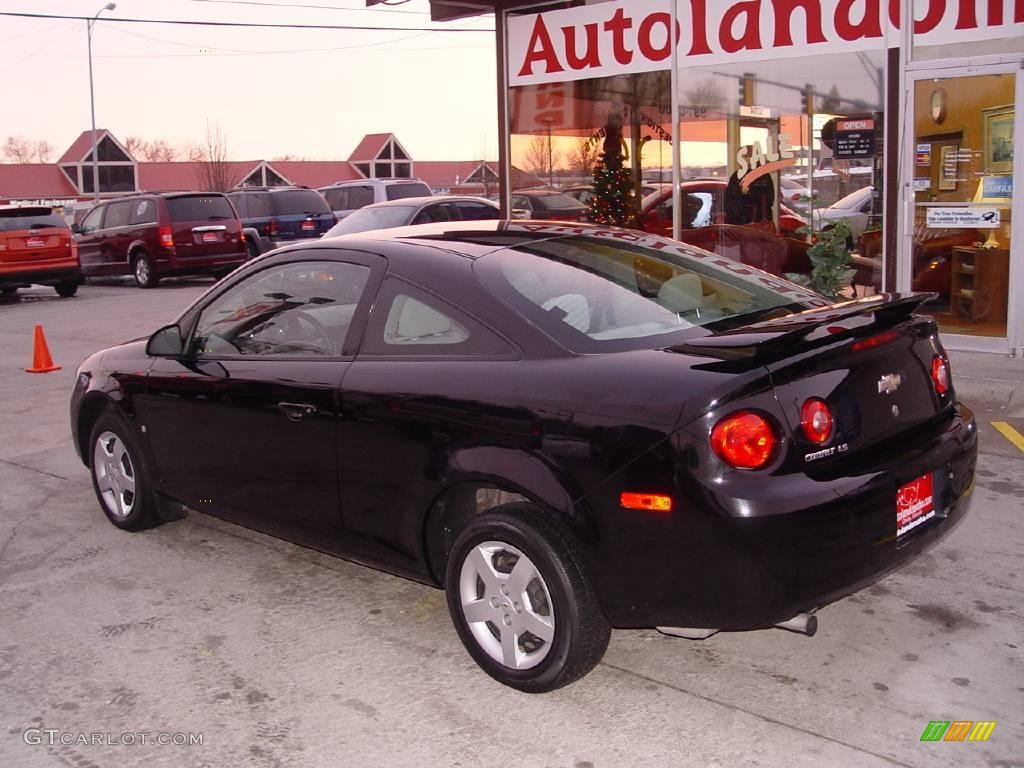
(297, 411)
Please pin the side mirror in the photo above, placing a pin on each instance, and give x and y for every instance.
(166, 342)
(76, 228)
(520, 213)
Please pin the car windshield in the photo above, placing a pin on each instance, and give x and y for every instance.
(556, 201)
(200, 208)
(30, 218)
(295, 201)
(366, 219)
(614, 291)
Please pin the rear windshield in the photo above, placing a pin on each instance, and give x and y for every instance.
(200, 208)
(293, 201)
(402, 191)
(30, 218)
(366, 219)
(557, 202)
(619, 291)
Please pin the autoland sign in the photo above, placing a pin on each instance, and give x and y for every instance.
(630, 36)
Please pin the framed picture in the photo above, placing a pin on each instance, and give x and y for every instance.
(998, 139)
(948, 156)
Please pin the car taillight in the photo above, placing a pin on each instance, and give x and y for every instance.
(940, 374)
(744, 440)
(166, 237)
(272, 228)
(816, 420)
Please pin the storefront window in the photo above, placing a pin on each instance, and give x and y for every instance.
(791, 151)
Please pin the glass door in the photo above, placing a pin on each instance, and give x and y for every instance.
(960, 231)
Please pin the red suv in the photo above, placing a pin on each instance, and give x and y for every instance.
(36, 247)
(153, 235)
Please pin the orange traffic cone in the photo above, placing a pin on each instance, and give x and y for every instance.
(41, 360)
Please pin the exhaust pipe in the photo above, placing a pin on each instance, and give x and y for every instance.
(804, 623)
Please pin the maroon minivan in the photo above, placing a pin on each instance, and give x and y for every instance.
(154, 235)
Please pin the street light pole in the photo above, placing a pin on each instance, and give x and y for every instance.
(92, 102)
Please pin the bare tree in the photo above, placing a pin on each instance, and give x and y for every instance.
(18, 150)
(705, 97)
(539, 158)
(43, 150)
(217, 174)
(156, 151)
(134, 145)
(583, 156)
(286, 157)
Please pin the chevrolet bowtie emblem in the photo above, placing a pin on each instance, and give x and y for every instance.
(889, 383)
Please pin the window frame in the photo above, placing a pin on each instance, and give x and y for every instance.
(377, 264)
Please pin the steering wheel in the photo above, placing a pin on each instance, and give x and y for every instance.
(295, 317)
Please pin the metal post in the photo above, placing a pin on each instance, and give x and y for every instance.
(92, 102)
(677, 213)
(551, 163)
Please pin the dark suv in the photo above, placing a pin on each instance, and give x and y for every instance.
(154, 235)
(273, 216)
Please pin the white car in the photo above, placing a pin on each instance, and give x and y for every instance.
(416, 210)
(344, 197)
(855, 207)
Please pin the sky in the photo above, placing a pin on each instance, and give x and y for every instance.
(266, 90)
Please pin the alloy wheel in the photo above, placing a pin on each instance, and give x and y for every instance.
(507, 605)
(142, 270)
(115, 474)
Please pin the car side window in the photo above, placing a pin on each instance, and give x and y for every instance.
(358, 197)
(92, 222)
(117, 215)
(294, 310)
(476, 212)
(407, 320)
(433, 213)
(521, 202)
(258, 205)
(143, 212)
(239, 202)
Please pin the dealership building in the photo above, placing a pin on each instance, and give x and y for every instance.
(898, 118)
(119, 172)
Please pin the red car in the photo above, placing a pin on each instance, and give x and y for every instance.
(704, 204)
(153, 235)
(36, 247)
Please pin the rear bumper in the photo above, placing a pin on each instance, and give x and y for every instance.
(700, 568)
(175, 264)
(21, 275)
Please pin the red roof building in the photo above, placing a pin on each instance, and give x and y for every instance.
(378, 155)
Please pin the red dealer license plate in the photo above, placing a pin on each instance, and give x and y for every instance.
(211, 237)
(308, 226)
(35, 242)
(915, 504)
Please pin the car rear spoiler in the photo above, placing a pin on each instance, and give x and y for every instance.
(771, 340)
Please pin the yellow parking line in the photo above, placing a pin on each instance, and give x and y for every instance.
(1010, 434)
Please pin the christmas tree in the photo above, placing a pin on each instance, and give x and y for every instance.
(612, 199)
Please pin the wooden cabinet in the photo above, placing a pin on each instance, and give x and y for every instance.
(979, 284)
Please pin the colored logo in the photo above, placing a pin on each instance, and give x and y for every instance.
(958, 730)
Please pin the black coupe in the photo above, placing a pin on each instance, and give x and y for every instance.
(567, 427)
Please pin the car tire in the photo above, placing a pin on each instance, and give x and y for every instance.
(120, 477)
(8, 290)
(66, 290)
(252, 248)
(494, 605)
(142, 269)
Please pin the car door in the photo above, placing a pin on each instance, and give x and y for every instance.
(117, 235)
(88, 240)
(410, 397)
(244, 423)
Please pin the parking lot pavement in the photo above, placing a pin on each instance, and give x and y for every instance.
(280, 656)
